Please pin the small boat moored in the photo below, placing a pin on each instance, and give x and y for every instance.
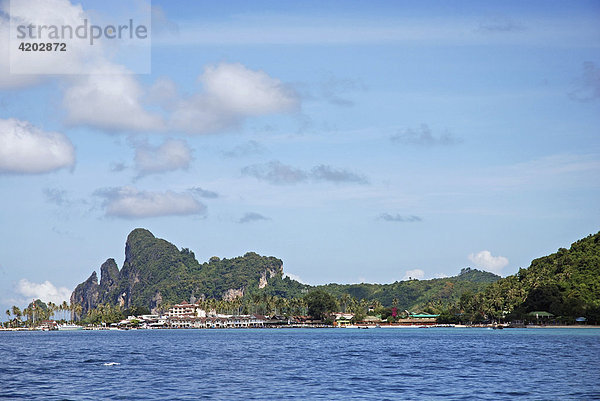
(69, 327)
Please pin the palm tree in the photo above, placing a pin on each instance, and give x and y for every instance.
(28, 312)
(363, 305)
(78, 309)
(7, 316)
(280, 304)
(51, 309)
(344, 300)
(16, 311)
(64, 307)
(255, 302)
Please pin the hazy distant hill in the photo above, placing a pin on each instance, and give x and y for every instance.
(419, 294)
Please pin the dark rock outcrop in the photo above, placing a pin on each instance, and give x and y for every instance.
(156, 273)
(87, 294)
(109, 275)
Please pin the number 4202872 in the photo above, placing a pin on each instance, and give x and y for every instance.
(43, 47)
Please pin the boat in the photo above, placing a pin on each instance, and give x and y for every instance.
(69, 327)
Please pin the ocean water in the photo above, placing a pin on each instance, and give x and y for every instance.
(303, 364)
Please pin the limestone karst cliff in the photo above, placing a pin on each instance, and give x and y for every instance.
(156, 273)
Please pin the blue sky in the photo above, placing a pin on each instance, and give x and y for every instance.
(357, 141)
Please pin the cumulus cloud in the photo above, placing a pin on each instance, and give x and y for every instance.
(131, 203)
(413, 274)
(246, 91)
(232, 93)
(252, 216)
(331, 174)
(46, 291)
(399, 218)
(278, 173)
(109, 98)
(8, 80)
(37, 12)
(171, 155)
(29, 150)
(203, 193)
(586, 88)
(424, 137)
(106, 95)
(486, 261)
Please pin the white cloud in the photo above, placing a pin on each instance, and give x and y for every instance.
(486, 261)
(8, 80)
(104, 95)
(247, 92)
(47, 12)
(18, 69)
(128, 202)
(412, 274)
(232, 93)
(27, 149)
(109, 98)
(171, 155)
(293, 276)
(46, 291)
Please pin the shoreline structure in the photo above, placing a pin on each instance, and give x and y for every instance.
(310, 326)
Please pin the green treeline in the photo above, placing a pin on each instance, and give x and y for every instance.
(156, 275)
(565, 284)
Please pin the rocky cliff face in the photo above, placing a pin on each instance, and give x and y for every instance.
(156, 274)
(87, 294)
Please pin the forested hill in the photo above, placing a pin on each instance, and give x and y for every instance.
(414, 294)
(157, 274)
(565, 283)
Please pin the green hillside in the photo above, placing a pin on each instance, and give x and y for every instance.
(156, 274)
(565, 283)
(414, 294)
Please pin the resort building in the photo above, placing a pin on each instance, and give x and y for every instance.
(187, 310)
(343, 319)
(215, 322)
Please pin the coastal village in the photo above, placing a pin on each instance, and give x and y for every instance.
(193, 316)
(251, 292)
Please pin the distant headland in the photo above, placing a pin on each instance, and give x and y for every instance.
(158, 279)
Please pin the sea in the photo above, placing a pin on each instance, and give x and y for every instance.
(302, 364)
